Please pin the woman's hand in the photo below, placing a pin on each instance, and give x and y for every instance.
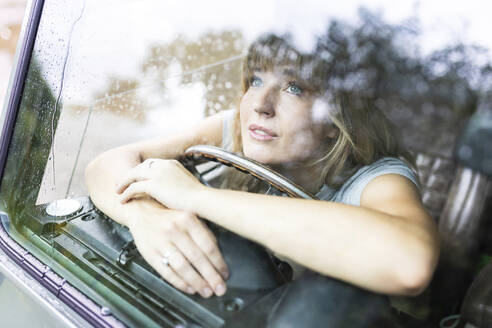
(181, 248)
(176, 243)
(167, 181)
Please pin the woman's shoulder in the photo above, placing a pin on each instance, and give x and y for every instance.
(385, 165)
(351, 191)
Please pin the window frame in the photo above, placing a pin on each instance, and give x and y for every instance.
(70, 296)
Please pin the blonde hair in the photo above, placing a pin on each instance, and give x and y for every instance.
(364, 133)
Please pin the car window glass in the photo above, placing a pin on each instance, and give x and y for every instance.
(108, 73)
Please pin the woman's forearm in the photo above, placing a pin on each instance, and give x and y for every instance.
(106, 169)
(101, 175)
(372, 249)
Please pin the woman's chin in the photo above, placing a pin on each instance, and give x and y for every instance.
(276, 162)
(260, 157)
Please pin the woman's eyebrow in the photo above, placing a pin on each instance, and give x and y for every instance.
(294, 74)
(290, 72)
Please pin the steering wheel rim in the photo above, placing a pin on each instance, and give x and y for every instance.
(200, 152)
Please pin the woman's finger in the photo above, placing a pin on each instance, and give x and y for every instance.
(207, 242)
(149, 162)
(169, 275)
(185, 271)
(200, 262)
(134, 175)
(134, 190)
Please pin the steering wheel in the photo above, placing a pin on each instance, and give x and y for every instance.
(254, 267)
(197, 154)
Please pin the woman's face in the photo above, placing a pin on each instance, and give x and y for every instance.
(277, 125)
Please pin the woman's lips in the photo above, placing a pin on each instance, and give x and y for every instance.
(260, 133)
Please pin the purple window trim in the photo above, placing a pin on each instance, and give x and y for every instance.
(95, 314)
(19, 76)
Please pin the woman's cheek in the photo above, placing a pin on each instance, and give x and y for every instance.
(303, 145)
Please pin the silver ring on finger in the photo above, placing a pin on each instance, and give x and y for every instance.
(150, 164)
(165, 258)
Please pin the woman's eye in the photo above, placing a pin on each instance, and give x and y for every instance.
(294, 89)
(256, 81)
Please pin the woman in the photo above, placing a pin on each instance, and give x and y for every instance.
(369, 228)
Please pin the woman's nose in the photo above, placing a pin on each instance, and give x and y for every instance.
(266, 105)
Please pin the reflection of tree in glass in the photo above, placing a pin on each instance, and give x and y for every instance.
(120, 98)
(426, 96)
(206, 60)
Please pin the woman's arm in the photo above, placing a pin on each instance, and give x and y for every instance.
(196, 264)
(389, 244)
(102, 173)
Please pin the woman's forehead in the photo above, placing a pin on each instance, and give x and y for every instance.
(284, 71)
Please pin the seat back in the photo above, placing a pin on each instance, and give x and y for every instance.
(461, 227)
(455, 197)
(436, 174)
